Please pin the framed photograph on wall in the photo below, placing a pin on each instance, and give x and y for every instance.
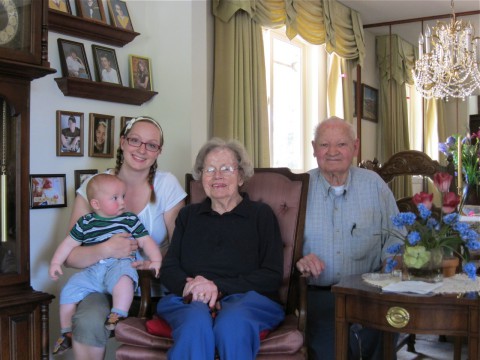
(82, 175)
(60, 5)
(73, 59)
(119, 14)
(370, 103)
(106, 65)
(101, 136)
(69, 133)
(90, 9)
(48, 191)
(140, 72)
(123, 122)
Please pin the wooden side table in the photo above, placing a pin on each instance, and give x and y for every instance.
(358, 302)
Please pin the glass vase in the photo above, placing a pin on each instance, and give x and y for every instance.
(429, 270)
(470, 204)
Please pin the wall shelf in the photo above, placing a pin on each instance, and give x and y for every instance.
(88, 89)
(89, 29)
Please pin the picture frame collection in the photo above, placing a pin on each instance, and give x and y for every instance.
(50, 190)
(73, 57)
(74, 63)
(93, 10)
(70, 134)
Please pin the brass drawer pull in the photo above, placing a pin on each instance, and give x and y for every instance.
(397, 317)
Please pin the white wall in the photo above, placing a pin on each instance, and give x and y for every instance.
(178, 38)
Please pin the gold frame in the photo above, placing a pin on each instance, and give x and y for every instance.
(133, 61)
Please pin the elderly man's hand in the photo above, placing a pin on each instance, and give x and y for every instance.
(310, 265)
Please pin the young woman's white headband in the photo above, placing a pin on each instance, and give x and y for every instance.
(144, 118)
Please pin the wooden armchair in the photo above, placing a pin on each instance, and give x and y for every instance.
(286, 193)
(409, 162)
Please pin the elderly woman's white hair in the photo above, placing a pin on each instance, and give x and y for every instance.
(245, 166)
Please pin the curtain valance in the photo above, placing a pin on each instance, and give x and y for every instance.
(317, 21)
(402, 60)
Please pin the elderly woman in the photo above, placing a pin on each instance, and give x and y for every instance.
(224, 265)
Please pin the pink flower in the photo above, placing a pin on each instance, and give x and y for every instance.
(423, 198)
(442, 181)
(450, 202)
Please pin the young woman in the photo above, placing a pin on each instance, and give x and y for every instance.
(155, 196)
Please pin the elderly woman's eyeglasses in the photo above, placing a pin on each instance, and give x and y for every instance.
(137, 143)
(225, 170)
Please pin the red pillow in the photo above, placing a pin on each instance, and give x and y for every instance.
(159, 327)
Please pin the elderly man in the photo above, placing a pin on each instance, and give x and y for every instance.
(348, 213)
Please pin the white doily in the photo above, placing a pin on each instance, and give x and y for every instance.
(457, 284)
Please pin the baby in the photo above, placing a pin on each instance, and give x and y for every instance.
(114, 276)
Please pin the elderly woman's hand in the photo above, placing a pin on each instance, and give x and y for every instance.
(310, 265)
(202, 289)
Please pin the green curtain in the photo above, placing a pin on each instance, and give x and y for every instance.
(395, 58)
(239, 99)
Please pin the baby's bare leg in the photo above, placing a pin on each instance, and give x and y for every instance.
(122, 294)
(66, 313)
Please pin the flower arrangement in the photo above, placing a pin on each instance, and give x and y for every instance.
(428, 238)
(469, 159)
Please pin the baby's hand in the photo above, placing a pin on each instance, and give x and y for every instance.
(54, 270)
(155, 265)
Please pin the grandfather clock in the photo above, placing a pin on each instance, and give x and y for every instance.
(23, 58)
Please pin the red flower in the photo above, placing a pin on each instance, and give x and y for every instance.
(450, 202)
(442, 181)
(423, 198)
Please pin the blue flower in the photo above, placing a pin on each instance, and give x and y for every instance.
(470, 270)
(432, 223)
(424, 212)
(390, 265)
(450, 219)
(403, 219)
(414, 238)
(394, 249)
(473, 245)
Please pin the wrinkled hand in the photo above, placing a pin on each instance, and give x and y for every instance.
(310, 265)
(54, 270)
(201, 289)
(121, 246)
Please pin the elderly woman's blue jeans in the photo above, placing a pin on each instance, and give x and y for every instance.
(234, 332)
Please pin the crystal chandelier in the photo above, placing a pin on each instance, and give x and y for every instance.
(448, 66)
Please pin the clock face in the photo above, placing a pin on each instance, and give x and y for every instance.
(8, 21)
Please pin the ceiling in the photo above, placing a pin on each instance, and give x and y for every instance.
(381, 11)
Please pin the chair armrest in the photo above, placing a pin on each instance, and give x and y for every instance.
(300, 289)
(302, 301)
(145, 281)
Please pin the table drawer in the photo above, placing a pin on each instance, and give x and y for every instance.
(411, 317)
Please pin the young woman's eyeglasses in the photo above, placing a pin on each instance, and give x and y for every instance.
(225, 170)
(137, 143)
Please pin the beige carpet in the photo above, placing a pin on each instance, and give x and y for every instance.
(429, 347)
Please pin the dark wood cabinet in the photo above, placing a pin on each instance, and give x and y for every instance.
(23, 58)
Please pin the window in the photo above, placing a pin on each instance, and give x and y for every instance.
(295, 85)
